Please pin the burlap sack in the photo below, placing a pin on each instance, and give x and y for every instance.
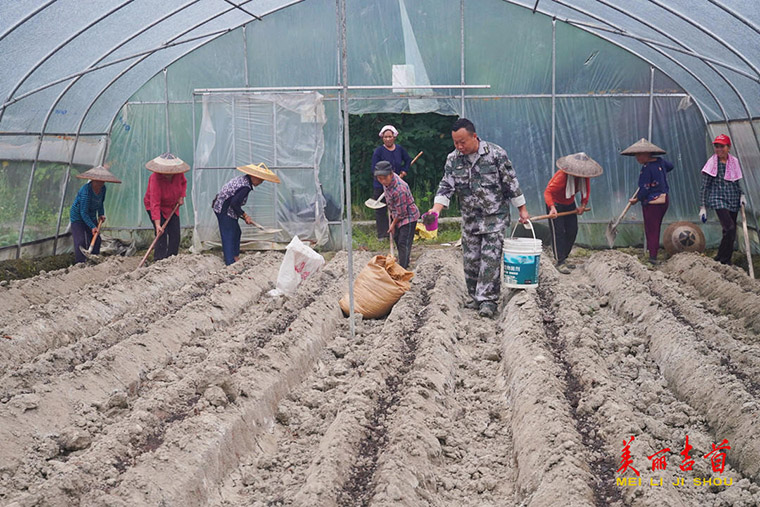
(378, 286)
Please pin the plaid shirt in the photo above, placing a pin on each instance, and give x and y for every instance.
(717, 193)
(401, 202)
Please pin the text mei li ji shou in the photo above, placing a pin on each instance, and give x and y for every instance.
(658, 461)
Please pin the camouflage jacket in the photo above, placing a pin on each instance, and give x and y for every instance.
(485, 188)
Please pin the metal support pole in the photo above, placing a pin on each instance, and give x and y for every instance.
(651, 103)
(461, 56)
(554, 91)
(245, 56)
(166, 114)
(234, 131)
(28, 196)
(195, 210)
(347, 160)
(274, 150)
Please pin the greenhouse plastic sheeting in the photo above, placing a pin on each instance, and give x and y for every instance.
(124, 73)
(285, 132)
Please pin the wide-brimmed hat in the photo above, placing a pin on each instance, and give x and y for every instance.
(260, 171)
(643, 146)
(388, 127)
(167, 164)
(99, 173)
(579, 164)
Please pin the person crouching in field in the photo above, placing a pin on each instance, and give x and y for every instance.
(404, 213)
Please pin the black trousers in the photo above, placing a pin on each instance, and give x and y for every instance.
(381, 215)
(82, 235)
(728, 222)
(564, 230)
(403, 237)
(168, 243)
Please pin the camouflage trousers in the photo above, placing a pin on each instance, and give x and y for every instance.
(482, 265)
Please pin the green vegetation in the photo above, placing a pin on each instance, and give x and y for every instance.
(17, 269)
(42, 215)
(365, 238)
(429, 133)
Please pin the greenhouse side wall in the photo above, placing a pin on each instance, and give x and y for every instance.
(554, 90)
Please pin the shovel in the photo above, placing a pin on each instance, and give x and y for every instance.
(265, 230)
(375, 203)
(88, 253)
(150, 248)
(747, 245)
(562, 214)
(391, 235)
(611, 232)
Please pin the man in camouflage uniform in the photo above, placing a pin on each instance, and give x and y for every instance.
(483, 177)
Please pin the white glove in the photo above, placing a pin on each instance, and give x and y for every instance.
(703, 214)
(743, 201)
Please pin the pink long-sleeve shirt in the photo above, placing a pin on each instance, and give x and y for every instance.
(162, 194)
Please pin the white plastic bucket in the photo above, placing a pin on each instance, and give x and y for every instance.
(521, 260)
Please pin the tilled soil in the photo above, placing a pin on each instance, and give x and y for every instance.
(185, 384)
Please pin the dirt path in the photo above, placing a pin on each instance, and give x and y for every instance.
(184, 384)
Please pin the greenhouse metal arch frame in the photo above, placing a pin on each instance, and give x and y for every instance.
(719, 95)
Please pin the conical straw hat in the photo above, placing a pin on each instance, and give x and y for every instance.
(99, 173)
(167, 164)
(579, 164)
(642, 146)
(260, 171)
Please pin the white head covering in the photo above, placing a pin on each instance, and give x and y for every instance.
(388, 127)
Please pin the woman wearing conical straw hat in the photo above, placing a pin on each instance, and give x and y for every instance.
(572, 178)
(653, 190)
(87, 212)
(228, 206)
(167, 187)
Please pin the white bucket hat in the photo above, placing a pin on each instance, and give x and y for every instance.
(388, 127)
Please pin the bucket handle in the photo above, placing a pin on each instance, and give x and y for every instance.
(529, 226)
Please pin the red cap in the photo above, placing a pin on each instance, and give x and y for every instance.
(723, 139)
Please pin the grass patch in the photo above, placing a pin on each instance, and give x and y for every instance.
(18, 269)
(365, 238)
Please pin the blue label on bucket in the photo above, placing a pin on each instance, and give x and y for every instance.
(521, 269)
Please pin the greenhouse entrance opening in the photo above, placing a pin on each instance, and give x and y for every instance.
(426, 133)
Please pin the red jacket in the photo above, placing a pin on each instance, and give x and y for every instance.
(162, 194)
(555, 190)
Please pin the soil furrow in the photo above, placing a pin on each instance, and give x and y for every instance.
(622, 391)
(38, 290)
(338, 454)
(79, 399)
(738, 295)
(692, 370)
(227, 431)
(448, 442)
(602, 464)
(64, 320)
(551, 461)
(76, 355)
(184, 384)
(362, 485)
